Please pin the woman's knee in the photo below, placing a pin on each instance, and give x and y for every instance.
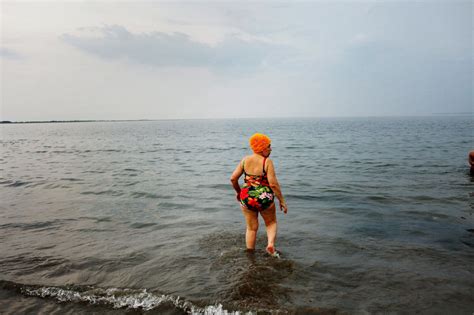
(269, 216)
(270, 222)
(252, 226)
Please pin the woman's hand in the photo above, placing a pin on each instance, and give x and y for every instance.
(283, 207)
(237, 196)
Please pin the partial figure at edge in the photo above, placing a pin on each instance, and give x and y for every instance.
(471, 162)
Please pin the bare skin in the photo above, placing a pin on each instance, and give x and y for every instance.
(253, 165)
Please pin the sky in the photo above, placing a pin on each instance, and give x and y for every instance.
(67, 60)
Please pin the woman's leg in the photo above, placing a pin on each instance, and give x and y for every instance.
(251, 218)
(269, 216)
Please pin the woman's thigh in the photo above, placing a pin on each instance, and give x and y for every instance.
(269, 214)
(251, 218)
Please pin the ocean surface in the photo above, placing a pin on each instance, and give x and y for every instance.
(140, 217)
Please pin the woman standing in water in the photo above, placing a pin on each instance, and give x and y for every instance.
(258, 192)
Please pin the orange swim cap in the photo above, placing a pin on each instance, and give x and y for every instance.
(259, 142)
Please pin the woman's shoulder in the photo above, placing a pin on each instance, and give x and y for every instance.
(269, 160)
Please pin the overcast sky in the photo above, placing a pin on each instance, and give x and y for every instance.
(157, 60)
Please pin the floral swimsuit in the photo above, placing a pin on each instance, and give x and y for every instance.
(256, 193)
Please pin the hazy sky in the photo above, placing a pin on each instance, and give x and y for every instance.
(159, 60)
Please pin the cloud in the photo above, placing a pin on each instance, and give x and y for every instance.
(177, 49)
(9, 54)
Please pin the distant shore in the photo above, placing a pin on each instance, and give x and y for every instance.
(64, 121)
(204, 118)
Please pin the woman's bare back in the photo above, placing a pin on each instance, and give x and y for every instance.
(254, 164)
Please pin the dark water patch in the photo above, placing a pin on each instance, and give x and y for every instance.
(110, 150)
(64, 151)
(41, 225)
(91, 267)
(52, 186)
(424, 215)
(71, 179)
(141, 194)
(103, 219)
(371, 230)
(16, 183)
(141, 225)
(316, 196)
(45, 247)
(130, 184)
(385, 200)
(336, 190)
(219, 148)
(424, 198)
(333, 284)
(173, 205)
(304, 197)
(385, 165)
(225, 187)
(299, 147)
(108, 192)
(92, 230)
(94, 172)
(29, 263)
(469, 243)
(96, 219)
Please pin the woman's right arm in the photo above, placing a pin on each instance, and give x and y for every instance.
(275, 186)
(234, 179)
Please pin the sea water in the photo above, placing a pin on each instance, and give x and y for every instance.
(111, 216)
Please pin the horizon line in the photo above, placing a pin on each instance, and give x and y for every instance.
(4, 121)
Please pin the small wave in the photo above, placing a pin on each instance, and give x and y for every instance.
(16, 183)
(130, 170)
(26, 263)
(217, 186)
(45, 225)
(139, 194)
(110, 150)
(70, 179)
(94, 172)
(136, 299)
(140, 225)
(172, 205)
(64, 151)
(378, 198)
(96, 219)
(386, 165)
(304, 197)
(103, 192)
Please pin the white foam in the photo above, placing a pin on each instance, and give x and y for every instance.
(124, 298)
